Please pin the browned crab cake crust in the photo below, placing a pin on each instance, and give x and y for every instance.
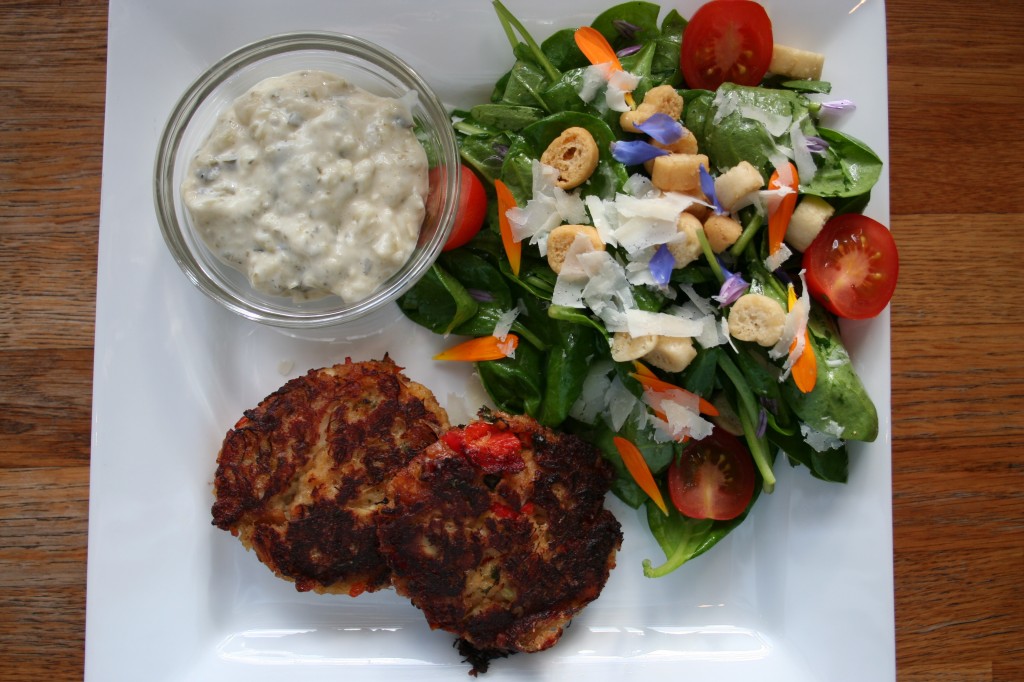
(300, 477)
(503, 560)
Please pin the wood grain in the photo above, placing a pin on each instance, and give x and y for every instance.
(956, 84)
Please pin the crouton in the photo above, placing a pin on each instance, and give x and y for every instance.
(809, 217)
(563, 236)
(574, 154)
(757, 318)
(722, 232)
(660, 100)
(678, 172)
(626, 347)
(671, 353)
(686, 249)
(736, 183)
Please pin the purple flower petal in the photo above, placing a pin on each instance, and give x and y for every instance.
(635, 152)
(732, 288)
(707, 185)
(626, 29)
(480, 295)
(816, 145)
(762, 423)
(626, 51)
(662, 128)
(661, 265)
(839, 105)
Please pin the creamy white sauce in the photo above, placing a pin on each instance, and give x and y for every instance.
(311, 186)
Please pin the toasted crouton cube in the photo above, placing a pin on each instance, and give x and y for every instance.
(574, 154)
(660, 100)
(687, 248)
(808, 219)
(626, 347)
(722, 232)
(757, 318)
(736, 183)
(563, 236)
(672, 353)
(678, 172)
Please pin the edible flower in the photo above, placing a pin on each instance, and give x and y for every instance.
(597, 50)
(661, 265)
(626, 51)
(805, 367)
(732, 288)
(662, 128)
(707, 185)
(481, 349)
(513, 249)
(595, 47)
(635, 152)
(816, 145)
(650, 381)
(637, 467)
(480, 295)
(784, 178)
(626, 29)
(839, 105)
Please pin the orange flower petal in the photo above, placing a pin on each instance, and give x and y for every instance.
(647, 379)
(778, 220)
(638, 469)
(595, 47)
(513, 249)
(480, 349)
(805, 369)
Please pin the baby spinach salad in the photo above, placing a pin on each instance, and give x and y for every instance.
(659, 307)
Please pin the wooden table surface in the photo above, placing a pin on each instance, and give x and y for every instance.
(956, 89)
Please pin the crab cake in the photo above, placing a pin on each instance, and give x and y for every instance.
(498, 532)
(300, 477)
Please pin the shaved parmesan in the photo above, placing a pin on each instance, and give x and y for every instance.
(620, 83)
(644, 323)
(681, 414)
(805, 166)
(504, 324)
(775, 260)
(621, 404)
(549, 207)
(603, 217)
(822, 442)
(593, 396)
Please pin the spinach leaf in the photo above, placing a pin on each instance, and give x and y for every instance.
(515, 384)
(831, 465)
(839, 404)
(566, 369)
(438, 302)
(736, 137)
(682, 538)
(506, 116)
(850, 168)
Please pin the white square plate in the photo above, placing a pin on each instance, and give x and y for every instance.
(801, 592)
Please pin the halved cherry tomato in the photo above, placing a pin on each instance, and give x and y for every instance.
(852, 266)
(713, 478)
(472, 209)
(726, 40)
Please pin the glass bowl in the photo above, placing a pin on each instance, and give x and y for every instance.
(360, 62)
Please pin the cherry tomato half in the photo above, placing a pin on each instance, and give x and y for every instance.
(713, 478)
(852, 266)
(726, 40)
(472, 209)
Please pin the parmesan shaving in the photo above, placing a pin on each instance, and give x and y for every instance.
(504, 324)
(644, 323)
(774, 261)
